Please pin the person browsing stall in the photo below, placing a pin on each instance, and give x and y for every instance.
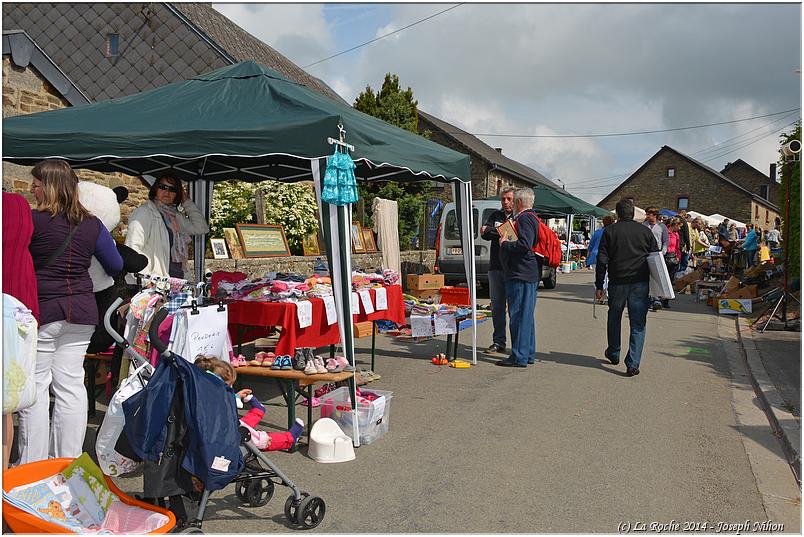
(64, 240)
(623, 252)
(162, 227)
(522, 270)
(496, 276)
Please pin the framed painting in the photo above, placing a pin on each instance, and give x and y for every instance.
(368, 240)
(263, 240)
(233, 242)
(219, 248)
(310, 244)
(358, 246)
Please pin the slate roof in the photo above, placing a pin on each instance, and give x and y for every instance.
(160, 43)
(759, 199)
(488, 153)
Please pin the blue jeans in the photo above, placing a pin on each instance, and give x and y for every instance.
(497, 295)
(635, 296)
(521, 296)
(683, 262)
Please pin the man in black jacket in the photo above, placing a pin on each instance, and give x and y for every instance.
(523, 271)
(496, 277)
(623, 251)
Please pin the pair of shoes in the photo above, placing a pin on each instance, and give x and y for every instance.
(263, 359)
(281, 362)
(314, 365)
(344, 363)
(494, 349)
(614, 361)
(632, 372)
(239, 361)
(316, 402)
(325, 389)
(369, 375)
(299, 359)
(509, 363)
(333, 366)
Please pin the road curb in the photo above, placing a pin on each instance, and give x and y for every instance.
(784, 424)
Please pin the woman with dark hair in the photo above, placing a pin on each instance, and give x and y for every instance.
(672, 257)
(160, 229)
(64, 240)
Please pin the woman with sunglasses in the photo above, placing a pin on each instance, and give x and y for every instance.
(160, 229)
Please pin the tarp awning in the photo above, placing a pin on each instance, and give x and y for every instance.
(550, 201)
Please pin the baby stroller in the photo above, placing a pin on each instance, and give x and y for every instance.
(166, 428)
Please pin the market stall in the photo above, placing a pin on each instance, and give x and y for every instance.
(245, 122)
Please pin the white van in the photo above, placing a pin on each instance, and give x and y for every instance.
(449, 252)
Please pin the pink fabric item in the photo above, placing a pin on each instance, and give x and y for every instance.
(164, 334)
(19, 279)
(674, 243)
(129, 519)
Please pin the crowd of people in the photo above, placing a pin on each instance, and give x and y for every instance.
(47, 254)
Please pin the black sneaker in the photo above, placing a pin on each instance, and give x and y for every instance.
(632, 372)
(495, 349)
(299, 360)
(614, 361)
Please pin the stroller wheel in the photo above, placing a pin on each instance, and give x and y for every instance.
(240, 490)
(259, 491)
(292, 507)
(191, 529)
(310, 512)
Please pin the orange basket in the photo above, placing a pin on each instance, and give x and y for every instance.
(21, 522)
(458, 296)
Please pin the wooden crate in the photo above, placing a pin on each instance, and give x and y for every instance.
(363, 329)
(419, 282)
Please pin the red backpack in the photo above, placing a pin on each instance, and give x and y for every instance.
(547, 247)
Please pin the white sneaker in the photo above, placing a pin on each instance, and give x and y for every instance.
(319, 364)
(310, 368)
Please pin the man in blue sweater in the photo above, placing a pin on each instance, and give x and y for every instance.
(522, 270)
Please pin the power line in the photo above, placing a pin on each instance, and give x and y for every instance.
(720, 147)
(634, 133)
(383, 36)
(727, 141)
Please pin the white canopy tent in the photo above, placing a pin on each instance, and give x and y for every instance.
(717, 218)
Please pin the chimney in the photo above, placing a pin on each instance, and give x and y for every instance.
(772, 173)
(498, 150)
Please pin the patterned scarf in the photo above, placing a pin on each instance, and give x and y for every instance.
(178, 249)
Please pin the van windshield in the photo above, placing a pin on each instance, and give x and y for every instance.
(451, 225)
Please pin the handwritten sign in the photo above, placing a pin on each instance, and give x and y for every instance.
(206, 333)
(263, 240)
(381, 299)
(365, 298)
(355, 304)
(421, 326)
(304, 312)
(444, 324)
(329, 306)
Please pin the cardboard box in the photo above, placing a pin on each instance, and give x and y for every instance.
(423, 294)
(363, 329)
(419, 282)
(688, 279)
(749, 291)
(734, 306)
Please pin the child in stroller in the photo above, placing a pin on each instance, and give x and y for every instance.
(263, 440)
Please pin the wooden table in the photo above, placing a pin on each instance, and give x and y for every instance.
(292, 381)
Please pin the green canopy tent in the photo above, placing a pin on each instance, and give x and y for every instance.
(249, 123)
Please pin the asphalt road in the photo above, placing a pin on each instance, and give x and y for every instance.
(567, 445)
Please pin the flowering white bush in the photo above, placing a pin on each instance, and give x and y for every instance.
(232, 203)
(293, 205)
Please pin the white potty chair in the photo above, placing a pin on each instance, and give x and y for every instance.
(328, 443)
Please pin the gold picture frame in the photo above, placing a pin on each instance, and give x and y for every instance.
(358, 246)
(368, 240)
(263, 240)
(310, 244)
(233, 242)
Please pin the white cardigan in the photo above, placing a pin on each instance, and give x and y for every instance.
(148, 235)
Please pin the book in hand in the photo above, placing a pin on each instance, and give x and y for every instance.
(507, 231)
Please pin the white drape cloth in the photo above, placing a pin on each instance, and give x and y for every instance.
(386, 225)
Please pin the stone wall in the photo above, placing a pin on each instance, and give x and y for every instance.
(25, 91)
(413, 262)
(751, 179)
(762, 216)
(707, 194)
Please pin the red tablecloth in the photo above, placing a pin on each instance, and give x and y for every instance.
(249, 320)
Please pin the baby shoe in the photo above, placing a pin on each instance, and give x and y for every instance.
(268, 359)
(241, 361)
(286, 363)
(344, 363)
(299, 360)
(333, 366)
(316, 402)
(258, 358)
(319, 364)
(310, 368)
(277, 363)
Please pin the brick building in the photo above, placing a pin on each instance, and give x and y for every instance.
(675, 181)
(490, 169)
(67, 54)
(754, 180)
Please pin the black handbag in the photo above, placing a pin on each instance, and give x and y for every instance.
(670, 258)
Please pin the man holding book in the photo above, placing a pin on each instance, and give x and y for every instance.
(522, 271)
(496, 277)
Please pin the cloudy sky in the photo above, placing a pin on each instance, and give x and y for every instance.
(561, 69)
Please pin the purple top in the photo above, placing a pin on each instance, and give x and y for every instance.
(65, 288)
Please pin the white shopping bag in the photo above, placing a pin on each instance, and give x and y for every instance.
(660, 284)
(111, 462)
(19, 355)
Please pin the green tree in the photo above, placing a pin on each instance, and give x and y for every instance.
(397, 107)
(293, 205)
(792, 169)
(232, 203)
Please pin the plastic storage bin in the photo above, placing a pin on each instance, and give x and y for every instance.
(372, 417)
(458, 296)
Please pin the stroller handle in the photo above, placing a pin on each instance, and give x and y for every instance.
(153, 333)
(107, 323)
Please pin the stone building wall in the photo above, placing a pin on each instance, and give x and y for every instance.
(762, 216)
(25, 91)
(751, 179)
(707, 194)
